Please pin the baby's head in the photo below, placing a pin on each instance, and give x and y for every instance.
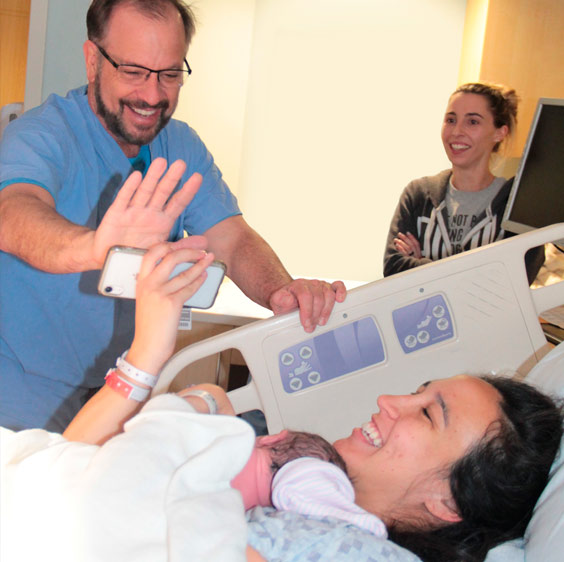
(271, 453)
(289, 445)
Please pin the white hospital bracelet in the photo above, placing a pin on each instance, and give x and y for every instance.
(205, 396)
(134, 373)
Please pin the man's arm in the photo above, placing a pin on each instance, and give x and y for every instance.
(257, 270)
(251, 262)
(32, 230)
(142, 214)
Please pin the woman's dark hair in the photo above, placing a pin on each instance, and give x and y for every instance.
(502, 101)
(497, 484)
(100, 11)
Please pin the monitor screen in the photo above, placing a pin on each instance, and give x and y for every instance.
(537, 195)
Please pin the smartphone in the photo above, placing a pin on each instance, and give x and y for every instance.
(119, 276)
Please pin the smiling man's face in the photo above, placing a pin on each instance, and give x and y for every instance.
(134, 115)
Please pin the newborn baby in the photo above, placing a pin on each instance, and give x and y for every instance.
(302, 472)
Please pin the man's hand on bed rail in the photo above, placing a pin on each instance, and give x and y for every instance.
(313, 297)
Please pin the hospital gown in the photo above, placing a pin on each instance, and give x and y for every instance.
(285, 536)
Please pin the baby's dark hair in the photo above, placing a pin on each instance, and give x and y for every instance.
(300, 444)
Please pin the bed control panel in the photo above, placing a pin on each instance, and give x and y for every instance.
(330, 355)
(423, 323)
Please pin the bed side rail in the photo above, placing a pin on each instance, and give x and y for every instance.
(492, 325)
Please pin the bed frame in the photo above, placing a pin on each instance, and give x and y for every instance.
(470, 313)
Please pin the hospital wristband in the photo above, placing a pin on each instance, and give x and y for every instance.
(125, 388)
(205, 396)
(134, 373)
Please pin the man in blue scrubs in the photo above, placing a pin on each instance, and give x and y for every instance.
(61, 166)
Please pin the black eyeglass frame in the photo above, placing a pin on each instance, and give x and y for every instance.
(149, 70)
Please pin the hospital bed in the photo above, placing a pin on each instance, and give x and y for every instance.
(152, 493)
(470, 313)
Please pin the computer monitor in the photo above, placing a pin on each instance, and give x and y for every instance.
(537, 195)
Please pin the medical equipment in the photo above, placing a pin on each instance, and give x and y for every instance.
(470, 313)
(536, 195)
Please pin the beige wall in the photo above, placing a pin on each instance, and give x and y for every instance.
(214, 98)
(319, 112)
(519, 43)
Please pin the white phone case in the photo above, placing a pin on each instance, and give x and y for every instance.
(119, 277)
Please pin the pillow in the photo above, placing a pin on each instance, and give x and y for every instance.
(509, 551)
(544, 537)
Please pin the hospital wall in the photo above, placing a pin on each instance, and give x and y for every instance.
(319, 112)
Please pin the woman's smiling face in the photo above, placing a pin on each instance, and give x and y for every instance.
(468, 132)
(392, 458)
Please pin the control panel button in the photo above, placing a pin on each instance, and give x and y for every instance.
(295, 383)
(410, 341)
(443, 324)
(287, 359)
(314, 377)
(423, 336)
(438, 311)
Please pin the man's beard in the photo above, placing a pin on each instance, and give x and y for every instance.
(114, 121)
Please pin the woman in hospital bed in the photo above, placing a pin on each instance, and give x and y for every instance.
(452, 470)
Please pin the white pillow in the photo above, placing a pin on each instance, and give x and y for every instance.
(544, 537)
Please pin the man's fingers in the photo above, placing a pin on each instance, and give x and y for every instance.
(166, 185)
(328, 301)
(183, 197)
(340, 290)
(124, 195)
(314, 298)
(151, 180)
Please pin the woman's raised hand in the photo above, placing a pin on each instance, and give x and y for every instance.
(160, 299)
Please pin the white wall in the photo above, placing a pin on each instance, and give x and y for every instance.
(318, 112)
(55, 63)
(214, 98)
(343, 107)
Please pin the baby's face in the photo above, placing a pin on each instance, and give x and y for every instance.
(255, 480)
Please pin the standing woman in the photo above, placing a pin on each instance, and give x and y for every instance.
(461, 208)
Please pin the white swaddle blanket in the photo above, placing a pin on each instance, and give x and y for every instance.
(159, 491)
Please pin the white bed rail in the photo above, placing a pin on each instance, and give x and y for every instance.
(473, 312)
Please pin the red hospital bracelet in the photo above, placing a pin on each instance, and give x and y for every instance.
(125, 388)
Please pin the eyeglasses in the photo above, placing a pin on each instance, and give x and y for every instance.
(136, 75)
